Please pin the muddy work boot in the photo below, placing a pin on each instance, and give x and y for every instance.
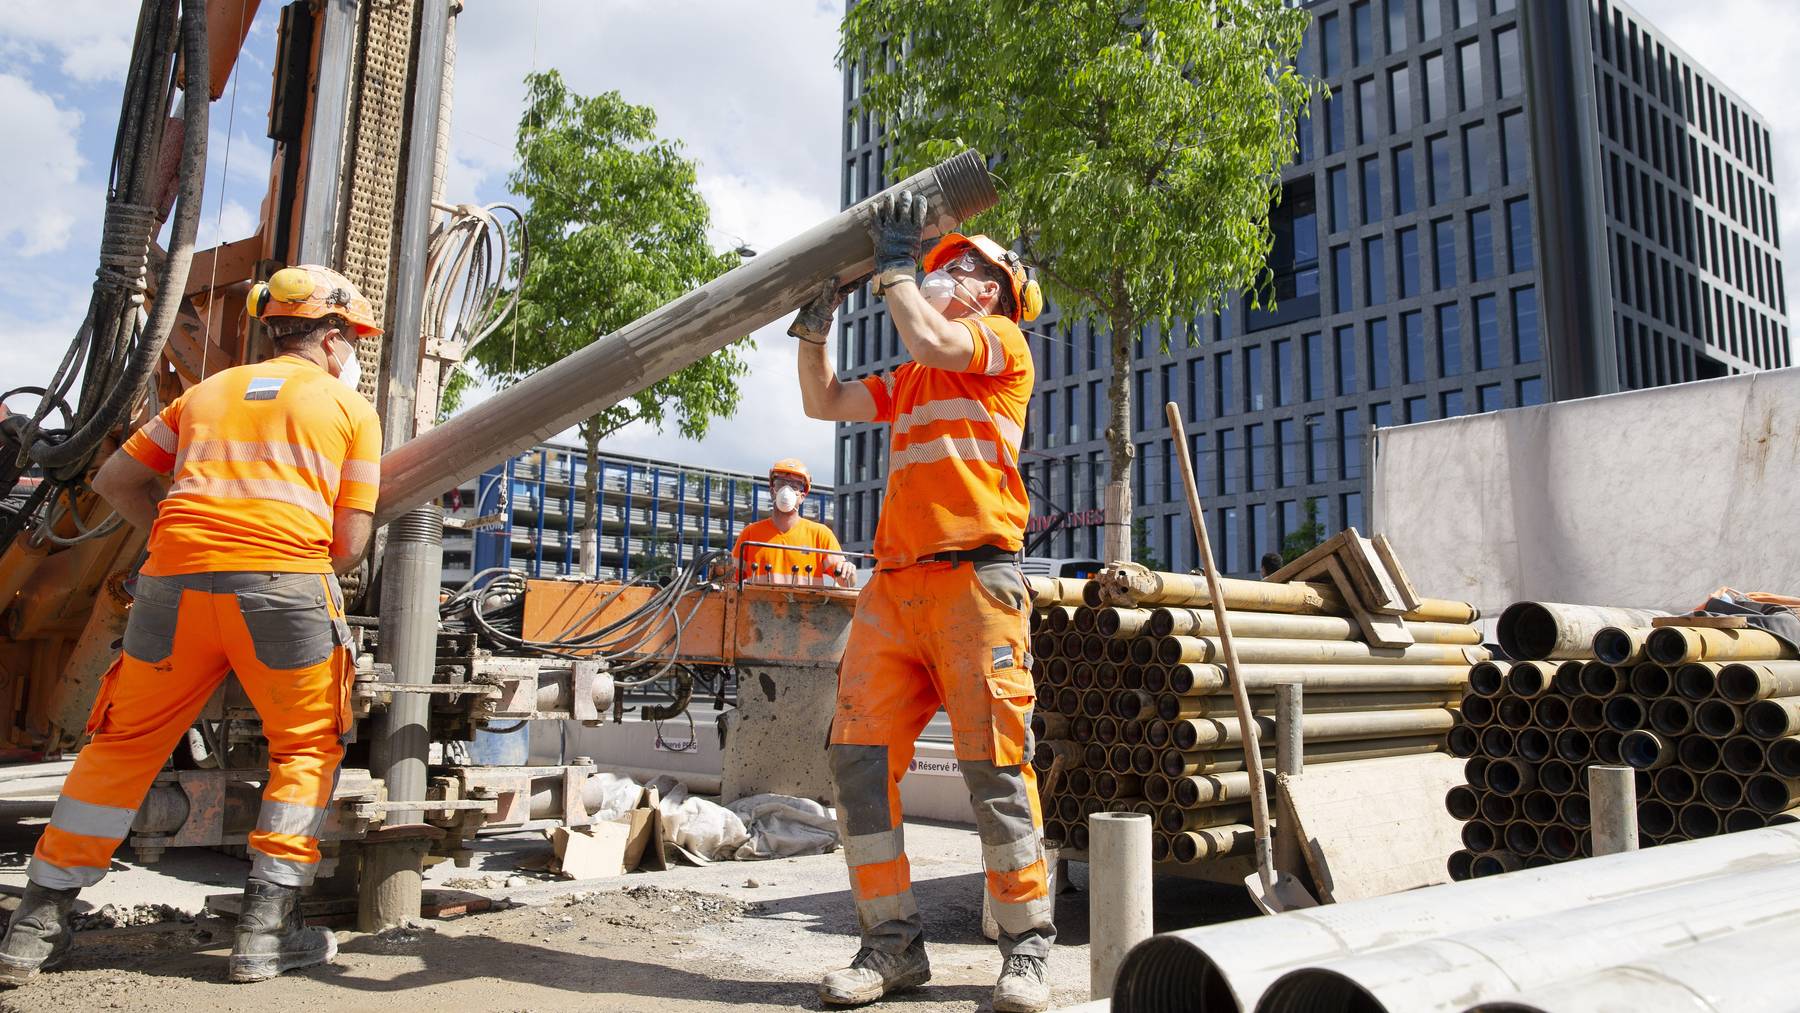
(875, 973)
(271, 938)
(1024, 986)
(40, 934)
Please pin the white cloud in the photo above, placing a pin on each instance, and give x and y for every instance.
(39, 173)
(90, 39)
(225, 222)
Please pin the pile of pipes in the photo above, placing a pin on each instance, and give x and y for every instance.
(1708, 717)
(1134, 713)
(1701, 925)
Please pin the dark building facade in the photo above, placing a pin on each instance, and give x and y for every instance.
(1497, 203)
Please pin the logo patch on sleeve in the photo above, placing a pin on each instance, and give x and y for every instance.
(264, 388)
(1003, 657)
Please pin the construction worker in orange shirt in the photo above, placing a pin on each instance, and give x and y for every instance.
(809, 550)
(272, 474)
(943, 620)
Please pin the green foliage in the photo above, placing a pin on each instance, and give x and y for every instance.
(617, 228)
(1141, 552)
(1302, 539)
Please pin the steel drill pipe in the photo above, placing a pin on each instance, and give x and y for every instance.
(1155, 678)
(1093, 756)
(1697, 820)
(1463, 802)
(1205, 680)
(1169, 707)
(1574, 745)
(1108, 676)
(1174, 819)
(1513, 711)
(1212, 842)
(1462, 741)
(1118, 652)
(1083, 675)
(1773, 718)
(1530, 679)
(1549, 712)
(1078, 782)
(1620, 645)
(1558, 777)
(1747, 682)
(1497, 742)
(1081, 728)
(1118, 760)
(1722, 790)
(1145, 760)
(1521, 838)
(1478, 835)
(1538, 807)
(1046, 726)
(1475, 771)
(1608, 745)
(665, 340)
(1106, 731)
(1784, 756)
(1770, 794)
(1255, 651)
(1109, 784)
(1159, 790)
(1588, 712)
(1650, 680)
(1495, 863)
(1675, 785)
(1785, 818)
(1157, 734)
(1059, 618)
(1142, 650)
(1697, 753)
(1645, 750)
(1559, 842)
(1744, 755)
(1068, 704)
(1678, 645)
(1718, 719)
(1497, 809)
(1739, 820)
(1131, 732)
(1655, 818)
(1511, 777)
(1178, 764)
(1052, 591)
(1477, 711)
(1533, 745)
(1543, 631)
(1050, 750)
(1575, 810)
(1671, 716)
(1697, 680)
(1193, 622)
(1487, 679)
(1567, 682)
(1601, 680)
(1202, 733)
(1130, 706)
(1459, 863)
(1124, 623)
(1142, 587)
(1626, 712)
(1093, 649)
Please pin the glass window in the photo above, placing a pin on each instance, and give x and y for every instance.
(1417, 410)
(1449, 329)
(1368, 127)
(1443, 185)
(1396, 25)
(1285, 386)
(1319, 457)
(1408, 242)
(1518, 233)
(1289, 454)
(1334, 121)
(1138, 398)
(1071, 416)
(1253, 378)
(1487, 333)
(1051, 432)
(1412, 336)
(1506, 43)
(1352, 510)
(1232, 556)
(1378, 354)
(1531, 391)
(1369, 170)
(1345, 337)
(1289, 518)
(1374, 272)
(1223, 402)
(1481, 244)
(1330, 58)
(1431, 19)
(1350, 438)
(1340, 280)
(1362, 34)
(1502, 6)
(1475, 158)
(1382, 415)
(1337, 181)
(1406, 196)
(1512, 138)
(1465, 13)
(1468, 56)
(1096, 408)
(1196, 392)
(1529, 346)
(1400, 98)
(1303, 139)
(1316, 374)
(1450, 404)
(1231, 462)
(1443, 241)
(1435, 103)
(1488, 397)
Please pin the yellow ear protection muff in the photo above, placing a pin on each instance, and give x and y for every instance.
(257, 300)
(1031, 299)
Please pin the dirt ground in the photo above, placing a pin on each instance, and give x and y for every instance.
(737, 936)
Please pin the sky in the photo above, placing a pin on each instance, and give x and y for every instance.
(751, 89)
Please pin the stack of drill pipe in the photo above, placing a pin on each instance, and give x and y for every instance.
(1709, 719)
(1135, 714)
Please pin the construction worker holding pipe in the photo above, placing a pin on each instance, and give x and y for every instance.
(784, 547)
(943, 620)
(273, 470)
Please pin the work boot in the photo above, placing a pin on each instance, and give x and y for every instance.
(1024, 986)
(39, 936)
(875, 973)
(272, 938)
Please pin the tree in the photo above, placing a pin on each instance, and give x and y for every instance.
(617, 228)
(1138, 146)
(1141, 551)
(1302, 539)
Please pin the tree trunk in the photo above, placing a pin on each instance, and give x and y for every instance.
(1119, 447)
(590, 502)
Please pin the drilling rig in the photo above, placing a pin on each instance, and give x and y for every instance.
(359, 120)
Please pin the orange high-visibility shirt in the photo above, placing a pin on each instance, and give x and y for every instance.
(259, 456)
(760, 561)
(953, 454)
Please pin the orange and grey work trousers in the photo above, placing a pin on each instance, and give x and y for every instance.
(951, 635)
(284, 636)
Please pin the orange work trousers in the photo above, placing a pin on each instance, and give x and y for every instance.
(952, 635)
(284, 636)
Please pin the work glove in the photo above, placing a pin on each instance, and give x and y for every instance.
(813, 323)
(897, 225)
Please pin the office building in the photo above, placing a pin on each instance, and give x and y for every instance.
(1496, 203)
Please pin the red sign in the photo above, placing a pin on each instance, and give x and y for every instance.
(1077, 519)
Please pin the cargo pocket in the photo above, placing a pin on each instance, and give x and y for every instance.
(109, 683)
(1012, 697)
(150, 627)
(290, 622)
(1002, 584)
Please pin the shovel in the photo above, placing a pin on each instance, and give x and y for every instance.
(1273, 892)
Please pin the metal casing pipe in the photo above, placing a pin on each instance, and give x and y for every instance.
(1671, 716)
(1718, 719)
(1497, 742)
(1463, 742)
(1463, 803)
(1543, 631)
(1601, 680)
(1550, 712)
(1532, 744)
(1498, 809)
(1697, 680)
(1189, 650)
(1697, 819)
(1460, 865)
(666, 340)
(1576, 811)
(1513, 711)
(1479, 836)
(1676, 786)
(1176, 763)
(1511, 777)
(1574, 745)
(1538, 807)
(1743, 755)
(1487, 679)
(1568, 678)
(1770, 794)
(1212, 842)
(1620, 645)
(1678, 645)
(1495, 863)
(1655, 818)
(1625, 712)
(1201, 733)
(1697, 753)
(1207, 679)
(1784, 756)
(1558, 777)
(1478, 711)
(1747, 682)
(1200, 622)
(1150, 587)
(1529, 679)
(1174, 819)
(1773, 718)
(1721, 790)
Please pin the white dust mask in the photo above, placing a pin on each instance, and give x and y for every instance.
(940, 288)
(786, 499)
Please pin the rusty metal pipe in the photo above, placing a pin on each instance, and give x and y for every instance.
(1206, 680)
(1049, 591)
(1208, 650)
(1513, 711)
(1529, 679)
(1625, 712)
(1675, 785)
(1543, 631)
(1696, 820)
(1558, 777)
(1773, 718)
(1158, 790)
(1521, 838)
(1176, 763)
(1678, 645)
(1510, 777)
(1498, 810)
(1106, 731)
(1784, 756)
(1600, 680)
(1194, 622)
(1697, 680)
(1462, 741)
(1080, 782)
(1212, 842)
(1121, 622)
(1607, 746)
(1174, 819)
(1573, 745)
(1169, 707)
(1718, 719)
(1671, 716)
(1463, 802)
(1567, 682)
(1046, 726)
(1495, 863)
(1588, 713)
(1651, 681)
(1646, 750)
(1532, 744)
(1550, 712)
(1739, 820)
(1620, 645)
(1202, 733)
(1576, 811)
(1770, 794)
(1722, 790)
(1559, 842)
(1697, 753)
(1487, 679)
(1479, 835)
(1477, 711)
(1497, 742)
(1538, 807)
(1087, 621)
(1655, 817)
(1747, 682)
(1459, 863)
(1743, 755)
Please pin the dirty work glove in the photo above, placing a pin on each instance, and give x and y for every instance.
(896, 225)
(813, 323)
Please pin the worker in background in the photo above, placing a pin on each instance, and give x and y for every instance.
(1271, 561)
(813, 557)
(943, 620)
(272, 471)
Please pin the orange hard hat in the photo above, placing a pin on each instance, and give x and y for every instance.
(1027, 297)
(312, 292)
(794, 467)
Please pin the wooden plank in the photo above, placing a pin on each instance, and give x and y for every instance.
(1409, 595)
(1380, 594)
(1378, 629)
(1703, 622)
(1374, 827)
(1307, 560)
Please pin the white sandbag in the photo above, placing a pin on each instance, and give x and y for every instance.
(783, 826)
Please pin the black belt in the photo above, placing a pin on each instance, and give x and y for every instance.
(979, 554)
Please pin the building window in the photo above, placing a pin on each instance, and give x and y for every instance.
(1284, 372)
(1431, 19)
(1408, 242)
(1350, 438)
(1443, 240)
(1436, 105)
(1232, 561)
(1406, 197)
(1487, 333)
(1518, 233)
(1196, 392)
(1531, 391)
(1223, 402)
(1253, 378)
(1489, 398)
(1367, 126)
(1352, 510)
(1293, 258)
(1334, 121)
(1337, 183)
(1051, 433)
(1443, 185)
(1369, 172)
(1318, 460)
(1449, 329)
(1465, 13)
(1475, 158)
(1340, 280)
(1450, 404)
(1345, 337)
(1256, 456)
(1374, 272)
(1481, 244)
(1525, 325)
(1231, 463)
(1400, 97)
(1412, 338)
(1378, 354)
(1330, 58)
(1512, 138)
(1315, 365)
(1468, 56)
(1417, 410)
(1506, 43)
(1287, 454)
(1362, 34)
(1383, 415)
